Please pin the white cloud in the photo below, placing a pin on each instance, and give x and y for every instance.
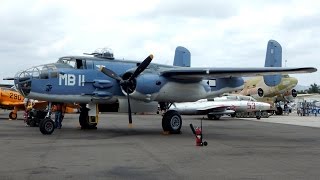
(218, 33)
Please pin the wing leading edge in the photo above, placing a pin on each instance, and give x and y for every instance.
(207, 73)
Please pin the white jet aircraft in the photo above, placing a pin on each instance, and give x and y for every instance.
(236, 106)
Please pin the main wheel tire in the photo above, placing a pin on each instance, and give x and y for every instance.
(216, 117)
(46, 126)
(84, 120)
(13, 115)
(265, 114)
(210, 116)
(172, 122)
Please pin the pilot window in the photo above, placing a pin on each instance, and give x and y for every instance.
(53, 74)
(44, 75)
(80, 64)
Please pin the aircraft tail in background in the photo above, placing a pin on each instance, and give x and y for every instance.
(182, 57)
(273, 59)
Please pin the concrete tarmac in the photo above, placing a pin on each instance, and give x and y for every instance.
(237, 149)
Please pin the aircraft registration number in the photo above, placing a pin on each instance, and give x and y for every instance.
(71, 80)
(15, 96)
(251, 105)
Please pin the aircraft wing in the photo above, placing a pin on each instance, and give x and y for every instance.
(198, 74)
(212, 107)
(9, 103)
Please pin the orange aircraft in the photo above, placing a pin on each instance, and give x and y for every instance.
(12, 100)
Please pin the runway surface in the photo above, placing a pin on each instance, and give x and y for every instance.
(238, 149)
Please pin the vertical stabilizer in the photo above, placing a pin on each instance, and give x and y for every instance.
(273, 59)
(182, 57)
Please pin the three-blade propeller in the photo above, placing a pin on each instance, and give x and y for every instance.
(125, 83)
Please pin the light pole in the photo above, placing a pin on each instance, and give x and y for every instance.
(285, 63)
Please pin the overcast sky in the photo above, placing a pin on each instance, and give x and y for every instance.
(218, 33)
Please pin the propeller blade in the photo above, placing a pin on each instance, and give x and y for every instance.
(129, 107)
(142, 67)
(110, 73)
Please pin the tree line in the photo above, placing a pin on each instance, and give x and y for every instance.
(314, 88)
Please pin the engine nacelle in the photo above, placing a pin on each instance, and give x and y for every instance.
(260, 92)
(294, 93)
(255, 92)
(145, 87)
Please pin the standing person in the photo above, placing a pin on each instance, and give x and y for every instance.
(26, 103)
(27, 108)
(286, 110)
(58, 114)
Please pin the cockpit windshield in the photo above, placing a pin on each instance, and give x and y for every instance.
(41, 71)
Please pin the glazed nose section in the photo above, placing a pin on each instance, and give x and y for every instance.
(22, 82)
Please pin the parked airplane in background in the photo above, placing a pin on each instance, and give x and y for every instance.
(236, 106)
(256, 88)
(277, 87)
(139, 86)
(12, 100)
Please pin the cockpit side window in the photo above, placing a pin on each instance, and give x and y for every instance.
(54, 74)
(44, 73)
(80, 64)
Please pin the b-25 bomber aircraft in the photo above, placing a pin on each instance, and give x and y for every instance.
(137, 86)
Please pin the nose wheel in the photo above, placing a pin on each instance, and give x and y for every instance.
(46, 126)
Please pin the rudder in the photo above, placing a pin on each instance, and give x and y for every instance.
(182, 57)
(273, 59)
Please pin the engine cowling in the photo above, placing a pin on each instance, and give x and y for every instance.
(260, 92)
(255, 92)
(144, 88)
(294, 93)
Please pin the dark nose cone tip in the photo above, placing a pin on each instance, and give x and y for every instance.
(23, 85)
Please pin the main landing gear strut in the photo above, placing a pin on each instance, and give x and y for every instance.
(86, 121)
